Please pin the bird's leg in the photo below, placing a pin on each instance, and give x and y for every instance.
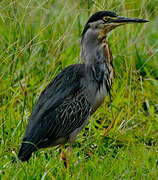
(71, 144)
(68, 153)
(64, 157)
(110, 125)
(108, 128)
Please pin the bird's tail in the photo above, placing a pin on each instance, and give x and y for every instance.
(26, 151)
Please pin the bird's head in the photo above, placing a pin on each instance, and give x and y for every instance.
(105, 21)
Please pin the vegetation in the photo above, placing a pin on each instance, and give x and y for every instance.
(38, 39)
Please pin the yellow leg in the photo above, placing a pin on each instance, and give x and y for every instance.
(66, 156)
(110, 125)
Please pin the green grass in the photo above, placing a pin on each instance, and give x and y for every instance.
(40, 38)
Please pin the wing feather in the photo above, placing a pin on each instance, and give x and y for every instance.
(62, 107)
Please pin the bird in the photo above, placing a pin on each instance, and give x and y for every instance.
(66, 104)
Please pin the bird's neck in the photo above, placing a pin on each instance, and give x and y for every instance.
(107, 51)
(96, 53)
(96, 49)
(89, 44)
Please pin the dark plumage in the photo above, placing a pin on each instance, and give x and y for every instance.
(62, 107)
(66, 104)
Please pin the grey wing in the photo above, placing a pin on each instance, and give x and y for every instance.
(70, 115)
(61, 108)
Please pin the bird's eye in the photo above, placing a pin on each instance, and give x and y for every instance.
(106, 18)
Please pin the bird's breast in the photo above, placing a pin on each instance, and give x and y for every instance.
(100, 96)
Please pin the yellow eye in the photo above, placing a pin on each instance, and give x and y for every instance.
(106, 18)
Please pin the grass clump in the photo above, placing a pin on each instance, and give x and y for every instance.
(39, 39)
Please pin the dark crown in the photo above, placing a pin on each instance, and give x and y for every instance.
(98, 16)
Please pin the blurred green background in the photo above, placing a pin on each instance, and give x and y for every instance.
(37, 40)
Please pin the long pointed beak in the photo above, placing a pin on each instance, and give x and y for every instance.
(125, 20)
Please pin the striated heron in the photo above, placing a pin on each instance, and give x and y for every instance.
(66, 104)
